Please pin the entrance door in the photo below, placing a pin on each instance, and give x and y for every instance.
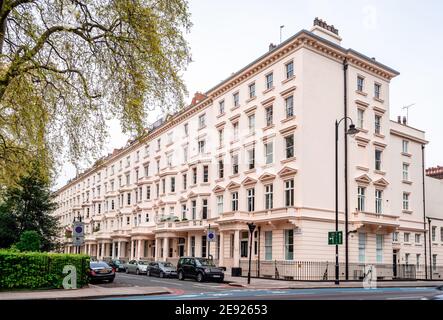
(181, 247)
(394, 262)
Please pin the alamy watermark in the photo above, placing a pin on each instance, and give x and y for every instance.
(70, 280)
(370, 278)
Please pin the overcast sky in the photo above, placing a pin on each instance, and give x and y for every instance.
(405, 35)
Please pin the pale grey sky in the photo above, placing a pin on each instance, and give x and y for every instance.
(405, 35)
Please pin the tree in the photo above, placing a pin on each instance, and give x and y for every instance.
(30, 204)
(29, 241)
(8, 228)
(66, 66)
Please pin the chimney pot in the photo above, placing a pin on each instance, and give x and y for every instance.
(404, 121)
(399, 119)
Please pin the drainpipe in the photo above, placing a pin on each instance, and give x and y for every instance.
(430, 248)
(424, 208)
(345, 77)
(258, 263)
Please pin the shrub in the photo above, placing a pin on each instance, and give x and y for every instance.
(29, 241)
(35, 270)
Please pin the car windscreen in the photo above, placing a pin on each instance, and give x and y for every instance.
(167, 265)
(204, 263)
(99, 265)
(143, 262)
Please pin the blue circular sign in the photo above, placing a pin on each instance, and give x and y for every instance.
(211, 235)
(78, 229)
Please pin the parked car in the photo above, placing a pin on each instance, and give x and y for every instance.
(201, 269)
(162, 269)
(136, 266)
(118, 265)
(100, 271)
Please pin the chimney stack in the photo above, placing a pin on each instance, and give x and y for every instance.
(404, 121)
(272, 46)
(399, 119)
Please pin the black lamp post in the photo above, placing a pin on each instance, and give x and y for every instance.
(251, 226)
(351, 131)
(430, 247)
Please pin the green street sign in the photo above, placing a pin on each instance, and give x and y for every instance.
(335, 238)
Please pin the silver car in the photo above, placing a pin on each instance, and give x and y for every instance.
(136, 266)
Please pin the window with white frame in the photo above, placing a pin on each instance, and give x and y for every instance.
(405, 201)
(405, 172)
(251, 158)
(269, 116)
(434, 233)
(417, 238)
(417, 261)
(395, 237)
(204, 209)
(434, 262)
(251, 123)
(378, 201)
(361, 247)
(185, 181)
(289, 106)
(235, 130)
(407, 255)
(252, 90)
(361, 199)
(268, 245)
(146, 151)
(269, 195)
(406, 237)
(405, 146)
(236, 99)
(289, 193)
(202, 121)
(377, 90)
(146, 167)
(377, 124)
(205, 174)
(235, 164)
(194, 209)
(172, 184)
(251, 199)
(220, 137)
(289, 70)
(289, 244)
(220, 204)
(201, 146)
(194, 176)
(221, 107)
(360, 118)
(269, 81)
(234, 201)
(378, 154)
(289, 146)
(269, 152)
(184, 211)
(169, 160)
(360, 83)
(170, 137)
(379, 247)
(220, 169)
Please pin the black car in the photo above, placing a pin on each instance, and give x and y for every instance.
(200, 269)
(118, 265)
(162, 269)
(100, 271)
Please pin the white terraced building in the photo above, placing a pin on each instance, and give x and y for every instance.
(259, 147)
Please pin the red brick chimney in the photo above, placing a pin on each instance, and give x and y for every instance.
(435, 172)
(198, 96)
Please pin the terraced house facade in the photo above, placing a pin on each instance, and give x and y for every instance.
(259, 147)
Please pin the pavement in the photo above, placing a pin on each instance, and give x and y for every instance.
(281, 284)
(90, 292)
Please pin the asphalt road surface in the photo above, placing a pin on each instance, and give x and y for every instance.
(191, 290)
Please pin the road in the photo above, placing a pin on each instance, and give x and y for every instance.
(191, 290)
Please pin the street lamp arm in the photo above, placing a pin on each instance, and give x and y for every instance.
(349, 118)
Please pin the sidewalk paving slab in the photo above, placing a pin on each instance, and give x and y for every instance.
(91, 291)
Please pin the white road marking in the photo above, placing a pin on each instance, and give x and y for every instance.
(406, 297)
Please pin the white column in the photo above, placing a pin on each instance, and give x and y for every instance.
(131, 254)
(139, 249)
(236, 261)
(188, 245)
(165, 248)
(156, 249)
(198, 245)
(113, 250)
(119, 250)
(221, 260)
(103, 250)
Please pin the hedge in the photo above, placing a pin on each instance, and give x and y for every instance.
(35, 270)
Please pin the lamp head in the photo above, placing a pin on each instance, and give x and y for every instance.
(352, 130)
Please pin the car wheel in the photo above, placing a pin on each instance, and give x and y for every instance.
(111, 280)
(148, 273)
(199, 277)
(162, 275)
(181, 275)
(127, 270)
(137, 272)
